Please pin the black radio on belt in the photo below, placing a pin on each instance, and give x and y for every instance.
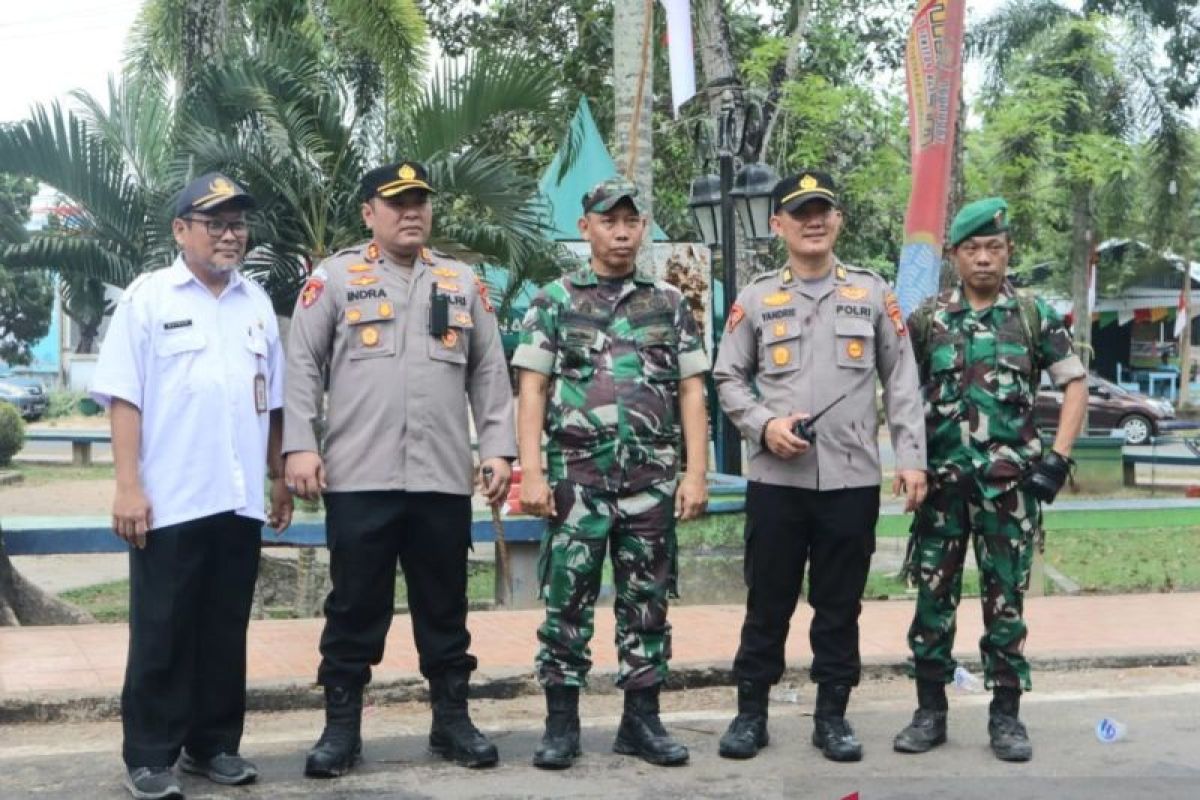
(439, 312)
(803, 429)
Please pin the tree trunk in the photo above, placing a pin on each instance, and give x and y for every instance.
(633, 93)
(22, 603)
(716, 55)
(1081, 254)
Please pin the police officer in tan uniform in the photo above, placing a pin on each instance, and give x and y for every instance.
(814, 335)
(405, 338)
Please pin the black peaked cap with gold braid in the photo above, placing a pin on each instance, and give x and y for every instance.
(796, 190)
(394, 179)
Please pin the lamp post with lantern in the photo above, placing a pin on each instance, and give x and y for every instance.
(740, 190)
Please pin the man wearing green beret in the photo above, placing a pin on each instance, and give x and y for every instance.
(981, 349)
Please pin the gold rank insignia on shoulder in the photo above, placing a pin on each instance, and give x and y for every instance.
(449, 287)
(786, 275)
(444, 272)
(372, 252)
(365, 280)
(777, 299)
(841, 273)
(361, 268)
(854, 292)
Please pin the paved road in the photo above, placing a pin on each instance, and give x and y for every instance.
(1160, 758)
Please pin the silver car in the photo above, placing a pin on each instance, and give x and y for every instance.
(30, 399)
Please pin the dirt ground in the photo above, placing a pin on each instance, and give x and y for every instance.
(76, 498)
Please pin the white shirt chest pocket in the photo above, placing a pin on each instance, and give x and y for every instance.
(177, 354)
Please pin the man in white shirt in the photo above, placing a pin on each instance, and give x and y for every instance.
(192, 371)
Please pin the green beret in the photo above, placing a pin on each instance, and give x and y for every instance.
(985, 217)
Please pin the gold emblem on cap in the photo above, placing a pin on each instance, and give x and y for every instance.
(808, 183)
(781, 356)
(407, 173)
(385, 309)
(353, 315)
(855, 348)
(370, 337)
(777, 299)
(221, 186)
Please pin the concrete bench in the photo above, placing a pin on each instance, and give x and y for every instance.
(1131, 460)
(81, 442)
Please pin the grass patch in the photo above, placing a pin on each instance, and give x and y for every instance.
(109, 602)
(42, 474)
(1150, 560)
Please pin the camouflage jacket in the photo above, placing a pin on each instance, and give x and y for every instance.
(615, 359)
(979, 373)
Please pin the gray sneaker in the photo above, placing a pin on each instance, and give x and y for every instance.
(153, 783)
(228, 769)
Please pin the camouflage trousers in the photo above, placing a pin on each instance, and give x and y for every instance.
(1004, 532)
(640, 530)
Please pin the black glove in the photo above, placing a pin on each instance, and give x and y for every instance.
(1048, 476)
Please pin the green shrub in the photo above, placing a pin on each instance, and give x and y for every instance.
(12, 433)
(64, 404)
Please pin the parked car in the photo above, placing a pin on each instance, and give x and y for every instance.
(29, 397)
(1111, 407)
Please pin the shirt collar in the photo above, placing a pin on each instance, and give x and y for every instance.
(586, 276)
(955, 303)
(178, 274)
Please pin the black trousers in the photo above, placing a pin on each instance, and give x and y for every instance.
(834, 533)
(429, 533)
(190, 591)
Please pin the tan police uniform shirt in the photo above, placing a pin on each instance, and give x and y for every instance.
(396, 417)
(790, 347)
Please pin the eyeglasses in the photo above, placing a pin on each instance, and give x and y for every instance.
(216, 227)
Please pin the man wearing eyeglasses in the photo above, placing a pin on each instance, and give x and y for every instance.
(191, 370)
(981, 349)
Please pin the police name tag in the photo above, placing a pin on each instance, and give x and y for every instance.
(260, 393)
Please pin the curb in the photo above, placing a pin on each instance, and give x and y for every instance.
(10, 478)
(500, 684)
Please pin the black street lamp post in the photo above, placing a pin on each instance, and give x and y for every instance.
(716, 200)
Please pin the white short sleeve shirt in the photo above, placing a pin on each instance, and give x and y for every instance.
(190, 362)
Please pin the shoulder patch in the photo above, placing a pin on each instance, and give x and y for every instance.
(736, 315)
(482, 288)
(892, 306)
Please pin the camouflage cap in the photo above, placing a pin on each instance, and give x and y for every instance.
(985, 217)
(602, 197)
(210, 192)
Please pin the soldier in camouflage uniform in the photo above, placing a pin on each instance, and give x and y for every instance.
(611, 365)
(981, 349)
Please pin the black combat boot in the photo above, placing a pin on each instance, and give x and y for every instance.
(560, 742)
(340, 745)
(928, 727)
(642, 733)
(453, 736)
(1010, 742)
(832, 733)
(747, 734)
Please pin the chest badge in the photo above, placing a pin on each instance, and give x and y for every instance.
(780, 328)
(855, 349)
(353, 316)
(385, 310)
(370, 336)
(462, 318)
(361, 268)
(777, 299)
(445, 286)
(450, 338)
(444, 272)
(781, 356)
(365, 280)
(854, 292)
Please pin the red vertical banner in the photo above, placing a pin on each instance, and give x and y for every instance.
(934, 69)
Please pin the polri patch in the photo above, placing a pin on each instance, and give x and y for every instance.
(311, 292)
(895, 314)
(736, 315)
